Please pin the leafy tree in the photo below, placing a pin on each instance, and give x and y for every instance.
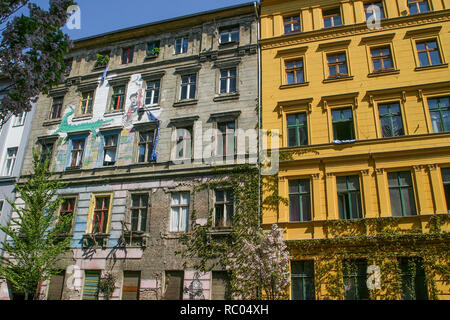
(37, 236)
(257, 261)
(32, 51)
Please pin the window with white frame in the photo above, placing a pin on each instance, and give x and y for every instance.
(229, 35)
(228, 80)
(224, 209)
(20, 119)
(188, 87)
(179, 214)
(11, 155)
(184, 143)
(110, 149)
(181, 45)
(76, 156)
(152, 92)
(418, 6)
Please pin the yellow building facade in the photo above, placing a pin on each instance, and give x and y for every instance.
(362, 108)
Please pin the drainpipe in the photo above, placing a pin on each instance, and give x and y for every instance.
(256, 6)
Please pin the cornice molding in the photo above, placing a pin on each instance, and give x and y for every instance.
(354, 29)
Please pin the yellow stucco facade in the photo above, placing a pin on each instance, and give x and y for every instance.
(363, 119)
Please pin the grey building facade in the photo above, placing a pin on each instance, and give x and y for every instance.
(145, 115)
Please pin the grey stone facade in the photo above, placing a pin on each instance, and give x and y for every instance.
(162, 180)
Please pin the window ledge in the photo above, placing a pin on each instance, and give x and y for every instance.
(73, 169)
(173, 235)
(184, 103)
(229, 44)
(344, 78)
(51, 122)
(383, 73)
(294, 85)
(437, 66)
(114, 113)
(151, 57)
(226, 97)
(82, 118)
(97, 68)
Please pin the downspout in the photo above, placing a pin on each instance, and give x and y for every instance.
(255, 4)
(259, 112)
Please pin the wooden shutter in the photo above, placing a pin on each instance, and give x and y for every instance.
(175, 286)
(220, 285)
(56, 287)
(130, 288)
(91, 281)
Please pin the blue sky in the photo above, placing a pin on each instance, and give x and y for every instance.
(100, 16)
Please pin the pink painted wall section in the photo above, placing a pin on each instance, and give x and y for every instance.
(197, 285)
(4, 293)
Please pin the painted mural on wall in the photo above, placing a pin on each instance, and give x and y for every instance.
(195, 288)
(92, 157)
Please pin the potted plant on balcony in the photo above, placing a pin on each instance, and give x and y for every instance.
(102, 60)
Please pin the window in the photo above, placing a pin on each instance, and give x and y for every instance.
(337, 65)
(174, 280)
(139, 209)
(1, 206)
(418, 6)
(414, 285)
(355, 279)
(228, 80)
(220, 289)
(76, 159)
(402, 194)
(179, 212)
(131, 284)
(349, 197)
(291, 24)
(181, 45)
(369, 13)
(8, 168)
(91, 284)
(224, 209)
(226, 145)
(110, 149)
(188, 87)
(184, 143)
(229, 35)
(295, 72)
(46, 151)
(20, 119)
(118, 98)
(101, 214)
(302, 280)
(440, 113)
(332, 18)
(146, 145)
(382, 59)
(297, 129)
(67, 210)
(86, 103)
(57, 105)
(446, 179)
(152, 48)
(102, 59)
(152, 92)
(428, 53)
(299, 200)
(391, 120)
(127, 55)
(343, 128)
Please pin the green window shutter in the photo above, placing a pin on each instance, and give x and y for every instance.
(91, 282)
